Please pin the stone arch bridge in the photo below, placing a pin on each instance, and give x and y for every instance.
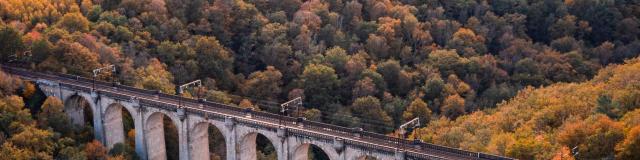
(290, 138)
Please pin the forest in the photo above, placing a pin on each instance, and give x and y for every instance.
(529, 79)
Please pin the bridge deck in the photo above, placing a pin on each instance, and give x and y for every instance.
(315, 129)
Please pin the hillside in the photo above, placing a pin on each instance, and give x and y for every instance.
(371, 64)
(600, 118)
(453, 56)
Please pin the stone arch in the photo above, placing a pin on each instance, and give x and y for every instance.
(247, 149)
(200, 141)
(80, 109)
(155, 135)
(114, 123)
(302, 151)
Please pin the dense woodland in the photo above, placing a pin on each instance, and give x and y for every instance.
(372, 64)
(48, 133)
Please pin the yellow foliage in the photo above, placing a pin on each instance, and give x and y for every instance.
(245, 103)
(537, 122)
(95, 150)
(29, 90)
(155, 76)
(631, 119)
(47, 11)
(564, 153)
(629, 148)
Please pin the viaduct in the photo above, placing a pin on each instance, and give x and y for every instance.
(290, 137)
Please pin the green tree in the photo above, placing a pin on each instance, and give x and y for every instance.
(433, 87)
(320, 84)
(11, 43)
(215, 60)
(263, 84)
(313, 115)
(337, 58)
(371, 114)
(390, 71)
(448, 62)
(40, 50)
(52, 115)
(120, 149)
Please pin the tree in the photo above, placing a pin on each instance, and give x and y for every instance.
(390, 71)
(78, 59)
(313, 115)
(566, 26)
(320, 84)
(214, 59)
(566, 44)
(496, 94)
(526, 148)
(448, 62)
(353, 12)
(155, 77)
(276, 49)
(263, 84)
(245, 103)
(337, 58)
(180, 59)
(629, 147)
(307, 18)
(433, 87)
(95, 150)
(595, 137)
(467, 43)
(67, 149)
(377, 47)
(453, 106)
(29, 143)
(40, 50)
(364, 87)
(564, 153)
(123, 150)
(11, 43)
(627, 30)
(276, 54)
(371, 114)
(74, 22)
(417, 109)
(12, 111)
(218, 96)
(52, 115)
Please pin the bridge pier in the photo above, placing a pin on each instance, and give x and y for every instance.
(141, 143)
(183, 135)
(230, 140)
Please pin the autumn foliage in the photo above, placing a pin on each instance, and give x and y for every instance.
(461, 58)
